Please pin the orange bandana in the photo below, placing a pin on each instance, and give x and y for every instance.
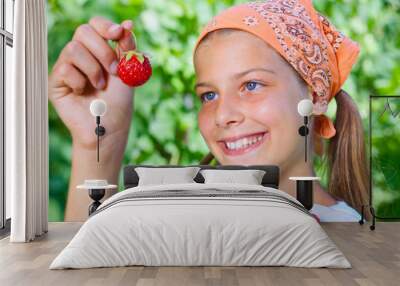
(320, 54)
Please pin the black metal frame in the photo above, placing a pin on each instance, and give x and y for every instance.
(96, 195)
(6, 39)
(370, 206)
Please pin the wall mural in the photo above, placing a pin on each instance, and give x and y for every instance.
(385, 159)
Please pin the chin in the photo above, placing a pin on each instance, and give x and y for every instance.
(242, 161)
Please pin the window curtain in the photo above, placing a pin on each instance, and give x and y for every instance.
(27, 124)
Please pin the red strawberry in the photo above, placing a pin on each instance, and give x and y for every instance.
(134, 68)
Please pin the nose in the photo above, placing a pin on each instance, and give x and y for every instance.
(228, 113)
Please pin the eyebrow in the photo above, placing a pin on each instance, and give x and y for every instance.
(200, 84)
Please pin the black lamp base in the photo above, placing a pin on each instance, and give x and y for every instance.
(304, 190)
(304, 193)
(96, 195)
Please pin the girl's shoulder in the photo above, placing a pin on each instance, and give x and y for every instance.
(339, 212)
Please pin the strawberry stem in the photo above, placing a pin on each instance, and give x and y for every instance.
(134, 40)
(112, 43)
(115, 46)
(118, 51)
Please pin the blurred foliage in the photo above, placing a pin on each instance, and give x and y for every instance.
(164, 129)
(385, 138)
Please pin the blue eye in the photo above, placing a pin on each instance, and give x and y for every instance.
(251, 85)
(208, 96)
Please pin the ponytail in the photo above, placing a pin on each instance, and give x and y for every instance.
(347, 163)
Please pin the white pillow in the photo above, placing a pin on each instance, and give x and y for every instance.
(162, 176)
(249, 177)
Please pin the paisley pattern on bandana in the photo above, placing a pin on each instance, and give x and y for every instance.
(250, 21)
(334, 37)
(301, 42)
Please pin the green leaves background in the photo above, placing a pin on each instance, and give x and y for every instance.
(164, 128)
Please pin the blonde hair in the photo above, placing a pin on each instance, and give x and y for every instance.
(347, 162)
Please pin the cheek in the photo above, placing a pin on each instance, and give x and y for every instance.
(277, 113)
(289, 145)
(205, 120)
(266, 112)
(278, 116)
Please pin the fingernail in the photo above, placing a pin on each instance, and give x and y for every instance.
(114, 67)
(114, 28)
(101, 83)
(128, 24)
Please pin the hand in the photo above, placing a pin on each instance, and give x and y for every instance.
(85, 70)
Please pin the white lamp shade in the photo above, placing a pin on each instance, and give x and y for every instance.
(305, 107)
(98, 107)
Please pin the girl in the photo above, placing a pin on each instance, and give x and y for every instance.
(254, 63)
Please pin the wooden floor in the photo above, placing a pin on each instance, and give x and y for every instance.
(374, 255)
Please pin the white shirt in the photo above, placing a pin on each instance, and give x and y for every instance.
(339, 212)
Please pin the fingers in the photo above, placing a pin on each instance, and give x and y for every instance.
(127, 42)
(79, 56)
(105, 28)
(68, 75)
(97, 46)
(112, 31)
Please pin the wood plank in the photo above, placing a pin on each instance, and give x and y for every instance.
(374, 255)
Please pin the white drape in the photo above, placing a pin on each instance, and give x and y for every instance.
(27, 124)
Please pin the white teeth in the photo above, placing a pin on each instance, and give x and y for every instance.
(243, 143)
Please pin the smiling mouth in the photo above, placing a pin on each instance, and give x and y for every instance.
(244, 144)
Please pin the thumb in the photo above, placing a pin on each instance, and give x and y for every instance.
(126, 42)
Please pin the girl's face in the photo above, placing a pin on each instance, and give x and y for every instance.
(249, 100)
